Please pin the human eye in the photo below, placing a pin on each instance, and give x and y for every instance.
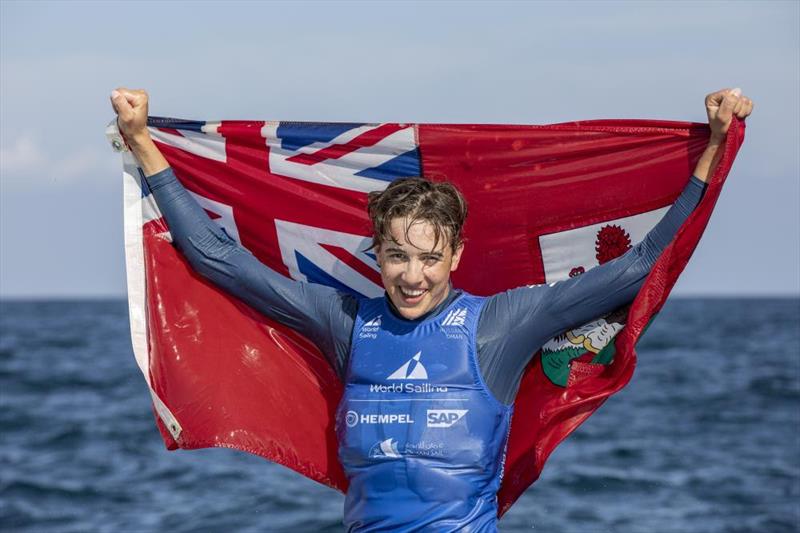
(431, 260)
(397, 257)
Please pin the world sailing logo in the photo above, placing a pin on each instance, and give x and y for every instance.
(411, 372)
(412, 369)
(374, 322)
(370, 329)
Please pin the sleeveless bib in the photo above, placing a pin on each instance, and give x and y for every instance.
(421, 438)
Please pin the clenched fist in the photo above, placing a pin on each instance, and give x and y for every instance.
(130, 105)
(722, 105)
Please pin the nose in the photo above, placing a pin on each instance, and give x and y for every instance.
(412, 274)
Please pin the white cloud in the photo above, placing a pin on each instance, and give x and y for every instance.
(27, 161)
(79, 164)
(24, 155)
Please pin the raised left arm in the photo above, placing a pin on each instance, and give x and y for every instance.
(515, 323)
(602, 289)
(575, 302)
(721, 106)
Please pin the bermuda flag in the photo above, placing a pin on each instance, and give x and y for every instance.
(546, 203)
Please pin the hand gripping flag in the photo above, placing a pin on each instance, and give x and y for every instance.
(546, 202)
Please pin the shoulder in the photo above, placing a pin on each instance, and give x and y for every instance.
(516, 303)
(367, 308)
(472, 301)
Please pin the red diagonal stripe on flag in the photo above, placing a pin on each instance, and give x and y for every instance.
(368, 138)
(348, 259)
(173, 131)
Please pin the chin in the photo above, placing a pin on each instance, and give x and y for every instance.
(410, 312)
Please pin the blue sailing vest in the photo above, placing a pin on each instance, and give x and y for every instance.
(421, 438)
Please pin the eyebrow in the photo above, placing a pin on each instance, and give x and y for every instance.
(395, 249)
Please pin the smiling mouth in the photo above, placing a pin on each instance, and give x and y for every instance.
(412, 294)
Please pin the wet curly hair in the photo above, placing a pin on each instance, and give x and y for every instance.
(439, 203)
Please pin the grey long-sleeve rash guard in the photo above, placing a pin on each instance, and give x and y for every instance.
(512, 326)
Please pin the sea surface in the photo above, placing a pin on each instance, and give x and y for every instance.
(706, 437)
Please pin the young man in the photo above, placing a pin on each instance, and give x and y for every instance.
(425, 415)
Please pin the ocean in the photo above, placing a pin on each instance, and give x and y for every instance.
(705, 438)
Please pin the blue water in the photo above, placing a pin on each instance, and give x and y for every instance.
(706, 438)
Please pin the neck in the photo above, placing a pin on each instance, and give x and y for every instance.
(449, 296)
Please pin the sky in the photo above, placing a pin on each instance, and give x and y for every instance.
(472, 62)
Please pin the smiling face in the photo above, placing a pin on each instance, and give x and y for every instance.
(415, 269)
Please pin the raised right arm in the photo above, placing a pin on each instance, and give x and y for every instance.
(320, 313)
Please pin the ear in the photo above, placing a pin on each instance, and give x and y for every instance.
(456, 257)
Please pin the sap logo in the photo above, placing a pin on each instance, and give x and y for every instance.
(456, 317)
(370, 329)
(444, 418)
(412, 369)
(385, 448)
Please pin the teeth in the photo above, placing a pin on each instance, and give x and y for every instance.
(412, 292)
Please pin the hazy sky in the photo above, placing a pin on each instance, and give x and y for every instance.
(531, 63)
